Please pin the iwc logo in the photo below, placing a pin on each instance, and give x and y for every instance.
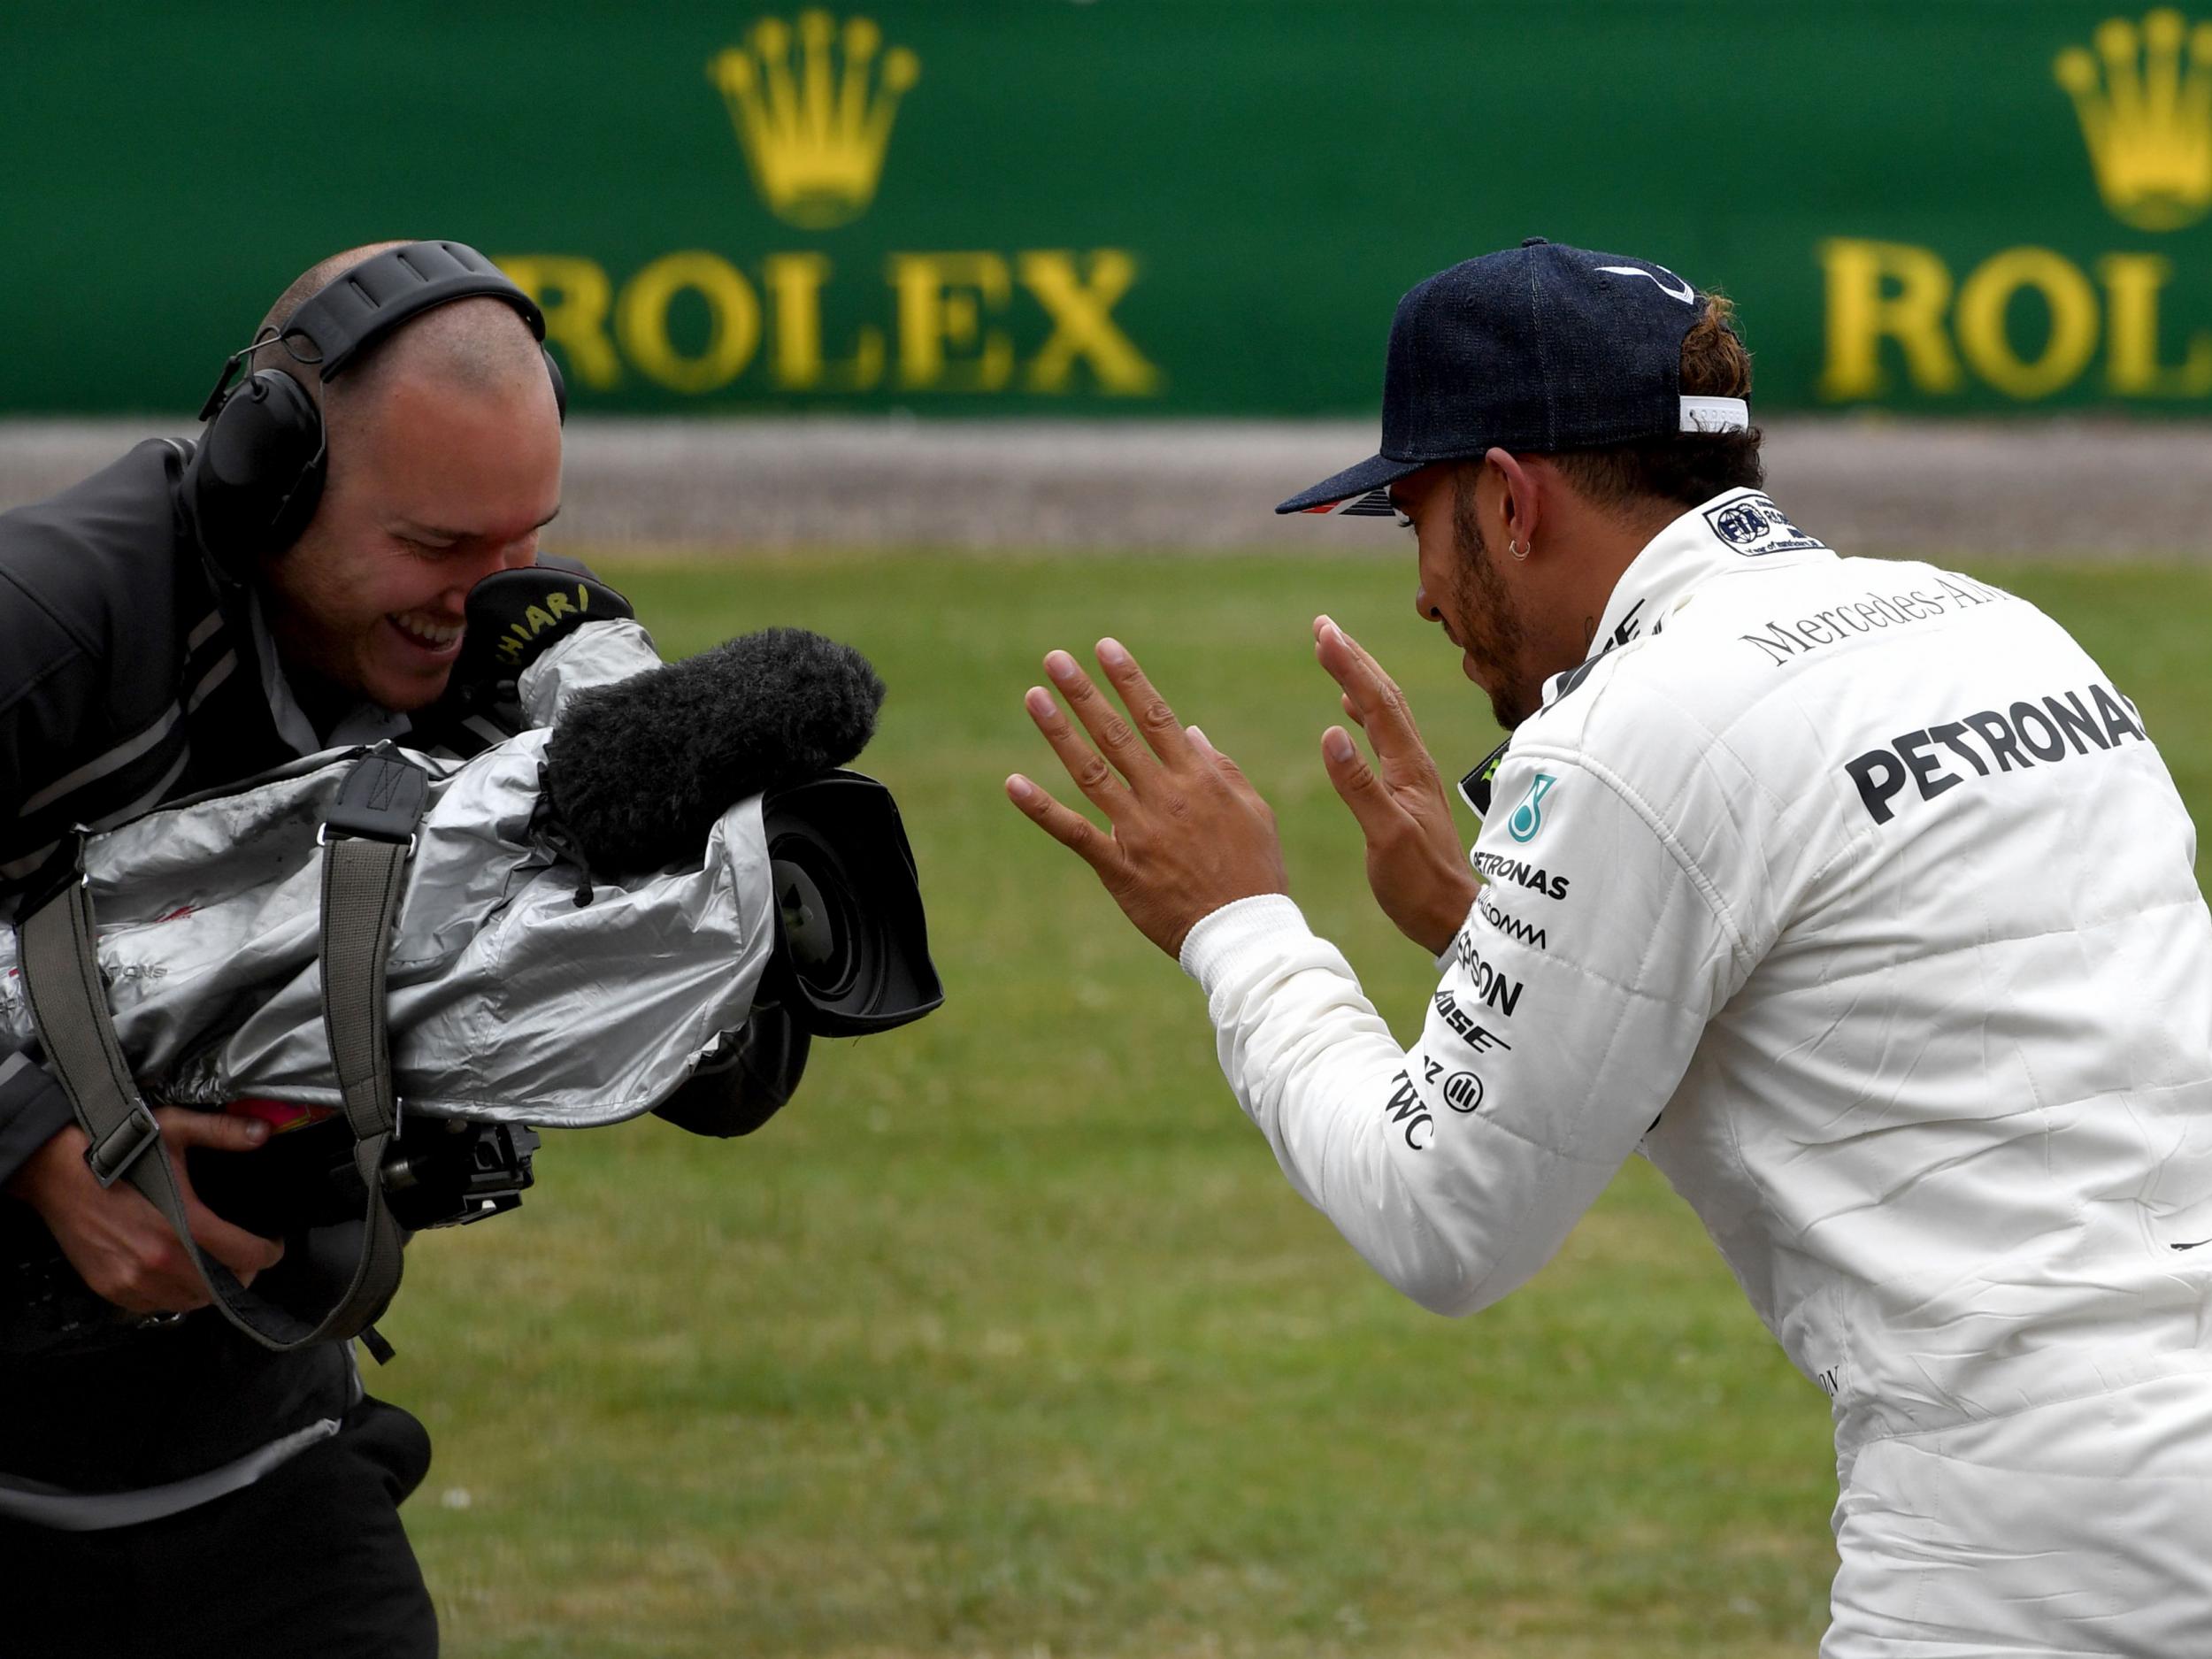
(2144, 97)
(813, 111)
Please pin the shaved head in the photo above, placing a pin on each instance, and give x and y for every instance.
(444, 463)
(470, 345)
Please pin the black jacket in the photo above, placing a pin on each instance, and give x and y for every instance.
(129, 676)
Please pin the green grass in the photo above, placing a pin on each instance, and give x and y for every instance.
(1007, 1338)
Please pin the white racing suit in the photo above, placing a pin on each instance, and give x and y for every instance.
(1855, 896)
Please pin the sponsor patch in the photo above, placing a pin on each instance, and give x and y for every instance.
(1519, 872)
(1528, 817)
(1474, 788)
(1472, 1032)
(1492, 989)
(1754, 526)
(1782, 638)
(1463, 1092)
(1406, 1113)
(1937, 758)
(1512, 926)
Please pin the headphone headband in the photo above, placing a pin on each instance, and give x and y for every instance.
(361, 306)
(254, 481)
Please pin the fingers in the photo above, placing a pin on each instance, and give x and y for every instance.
(1231, 772)
(244, 1253)
(1163, 741)
(218, 1131)
(1378, 814)
(1116, 738)
(1064, 824)
(1163, 734)
(129, 1256)
(1371, 696)
(1084, 769)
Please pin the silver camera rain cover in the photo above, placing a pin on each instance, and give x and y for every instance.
(510, 1000)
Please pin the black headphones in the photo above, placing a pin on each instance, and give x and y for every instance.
(258, 472)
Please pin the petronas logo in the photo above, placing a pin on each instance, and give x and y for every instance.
(813, 106)
(2144, 96)
(1528, 817)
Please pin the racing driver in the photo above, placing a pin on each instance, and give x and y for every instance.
(1853, 894)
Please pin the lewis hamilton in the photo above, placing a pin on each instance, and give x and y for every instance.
(1853, 894)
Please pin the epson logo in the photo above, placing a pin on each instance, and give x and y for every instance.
(1496, 990)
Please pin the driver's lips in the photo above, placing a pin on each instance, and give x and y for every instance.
(1466, 656)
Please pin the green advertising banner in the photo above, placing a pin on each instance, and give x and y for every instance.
(1144, 207)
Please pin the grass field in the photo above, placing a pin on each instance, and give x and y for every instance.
(1007, 1338)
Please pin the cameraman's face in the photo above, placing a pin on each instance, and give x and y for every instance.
(432, 488)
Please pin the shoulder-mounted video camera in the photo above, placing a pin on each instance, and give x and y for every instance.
(812, 924)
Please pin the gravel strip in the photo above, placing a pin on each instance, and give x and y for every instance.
(2046, 490)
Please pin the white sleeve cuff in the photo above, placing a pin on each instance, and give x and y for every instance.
(1243, 935)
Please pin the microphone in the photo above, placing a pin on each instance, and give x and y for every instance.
(637, 772)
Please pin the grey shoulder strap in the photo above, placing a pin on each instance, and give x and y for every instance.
(367, 839)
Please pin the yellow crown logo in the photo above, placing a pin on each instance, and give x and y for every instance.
(812, 127)
(2144, 100)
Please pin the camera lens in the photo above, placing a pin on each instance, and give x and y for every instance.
(851, 951)
(823, 928)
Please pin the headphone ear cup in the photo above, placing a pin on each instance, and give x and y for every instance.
(258, 472)
(560, 385)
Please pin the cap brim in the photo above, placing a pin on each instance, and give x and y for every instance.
(1345, 491)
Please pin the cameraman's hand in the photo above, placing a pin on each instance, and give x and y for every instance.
(1189, 832)
(1415, 863)
(119, 1244)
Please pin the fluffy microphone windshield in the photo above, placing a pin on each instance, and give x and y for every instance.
(639, 772)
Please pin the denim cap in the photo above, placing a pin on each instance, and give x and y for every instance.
(1539, 348)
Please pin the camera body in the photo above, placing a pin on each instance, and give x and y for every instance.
(438, 1172)
(301, 1187)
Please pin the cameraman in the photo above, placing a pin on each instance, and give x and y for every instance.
(175, 1487)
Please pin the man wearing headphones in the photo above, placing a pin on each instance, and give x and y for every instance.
(193, 615)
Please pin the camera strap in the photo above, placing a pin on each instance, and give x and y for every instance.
(367, 838)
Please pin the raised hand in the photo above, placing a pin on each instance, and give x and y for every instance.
(1188, 832)
(1416, 865)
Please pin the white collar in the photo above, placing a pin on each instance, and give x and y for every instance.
(364, 723)
(1708, 540)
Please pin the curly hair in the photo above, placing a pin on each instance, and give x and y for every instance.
(1682, 468)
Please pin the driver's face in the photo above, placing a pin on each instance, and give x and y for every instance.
(1463, 588)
